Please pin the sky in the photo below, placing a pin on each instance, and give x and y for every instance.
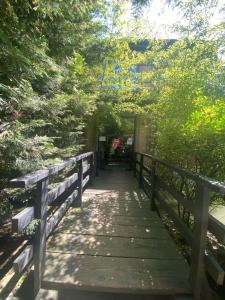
(157, 19)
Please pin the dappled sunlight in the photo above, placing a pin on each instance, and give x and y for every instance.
(113, 273)
(113, 242)
(125, 80)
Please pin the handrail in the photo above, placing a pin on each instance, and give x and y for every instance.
(203, 221)
(66, 194)
(216, 186)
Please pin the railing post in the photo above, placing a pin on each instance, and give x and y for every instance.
(92, 160)
(153, 182)
(80, 184)
(41, 207)
(135, 159)
(96, 164)
(141, 171)
(101, 160)
(197, 274)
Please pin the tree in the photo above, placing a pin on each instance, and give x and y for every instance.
(47, 82)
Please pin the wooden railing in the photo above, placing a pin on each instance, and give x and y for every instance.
(65, 194)
(162, 191)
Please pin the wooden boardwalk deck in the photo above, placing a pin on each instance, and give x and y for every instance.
(114, 243)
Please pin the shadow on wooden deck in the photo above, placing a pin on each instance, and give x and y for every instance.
(113, 248)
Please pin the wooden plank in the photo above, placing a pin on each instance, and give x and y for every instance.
(152, 220)
(85, 181)
(113, 246)
(109, 229)
(111, 211)
(55, 169)
(217, 228)
(23, 260)
(84, 155)
(111, 274)
(62, 187)
(117, 198)
(85, 220)
(123, 205)
(22, 219)
(56, 217)
(29, 179)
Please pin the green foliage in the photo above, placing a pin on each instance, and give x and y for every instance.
(138, 6)
(47, 84)
(188, 109)
(63, 61)
(181, 94)
(31, 228)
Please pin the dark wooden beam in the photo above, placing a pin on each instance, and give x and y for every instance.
(59, 190)
(22, 219)
(29, 179)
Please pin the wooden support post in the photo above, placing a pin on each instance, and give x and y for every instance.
(141, 171)
(92, 163)
(197, 274)
(79, 184)
(40, 213)
(135, 169)
(96, 164)
(153, 186)
(101, 162)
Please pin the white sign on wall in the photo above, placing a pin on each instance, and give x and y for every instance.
(102, 138)
(130, 141)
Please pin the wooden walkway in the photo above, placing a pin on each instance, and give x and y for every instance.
(114, 243)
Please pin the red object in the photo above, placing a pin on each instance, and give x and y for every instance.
(116, 143)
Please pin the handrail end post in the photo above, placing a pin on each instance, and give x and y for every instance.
(197, 273)
(40, 213)
(97, 163)
(92, 165)
(134, 163)
(141, 171)
(153, 185)
(78, 201)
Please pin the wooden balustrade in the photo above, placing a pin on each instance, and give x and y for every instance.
(69, 192)
(202, 262)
